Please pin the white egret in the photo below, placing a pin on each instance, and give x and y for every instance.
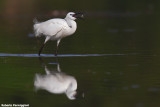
(56, 29)
(57, 82)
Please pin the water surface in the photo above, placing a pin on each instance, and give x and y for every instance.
(111, 61)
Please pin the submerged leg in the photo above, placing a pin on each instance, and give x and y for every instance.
(40, 50)
(58, 41)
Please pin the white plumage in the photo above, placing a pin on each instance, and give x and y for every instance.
(56, 29)
(57, 83)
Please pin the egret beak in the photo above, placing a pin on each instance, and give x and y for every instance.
(79, 95)
(78, 15)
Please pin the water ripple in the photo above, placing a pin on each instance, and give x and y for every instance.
(60, 55)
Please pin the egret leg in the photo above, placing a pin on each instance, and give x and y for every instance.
(58, 68)
(40, 50)
(47, 70)
(58, 41)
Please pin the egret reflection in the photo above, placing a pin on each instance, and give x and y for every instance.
(56, 82)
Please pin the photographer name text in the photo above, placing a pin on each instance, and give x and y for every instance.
(14, 105)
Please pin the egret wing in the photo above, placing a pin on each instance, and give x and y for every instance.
(50, 28)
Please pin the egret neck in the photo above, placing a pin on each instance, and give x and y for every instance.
(72, 26)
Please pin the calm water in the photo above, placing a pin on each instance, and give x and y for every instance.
(111, 61)
(110, 80)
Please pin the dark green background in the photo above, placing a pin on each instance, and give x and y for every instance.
(128, 31)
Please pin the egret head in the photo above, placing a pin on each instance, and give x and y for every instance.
(74, 16)
(71, 95)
